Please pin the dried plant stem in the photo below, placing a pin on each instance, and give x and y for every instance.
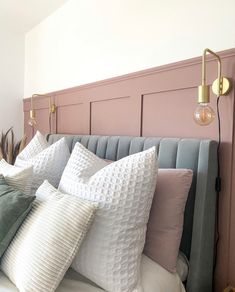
(8, 148)
(23, 143)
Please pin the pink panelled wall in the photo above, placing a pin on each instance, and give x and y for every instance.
(155, 102)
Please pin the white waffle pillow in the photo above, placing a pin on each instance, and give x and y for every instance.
(47, 241)
(17, 177)
(48, 164)
(35, 146)
(111, 252)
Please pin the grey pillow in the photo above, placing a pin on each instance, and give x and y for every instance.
(14, 207)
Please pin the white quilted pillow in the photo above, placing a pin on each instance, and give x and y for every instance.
(46, 243)
(35, 146)
(48, 164)
(111, 253)
(17, 177)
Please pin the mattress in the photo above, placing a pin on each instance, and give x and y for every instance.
(154, 278)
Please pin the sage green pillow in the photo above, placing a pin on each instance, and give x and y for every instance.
(14, 207)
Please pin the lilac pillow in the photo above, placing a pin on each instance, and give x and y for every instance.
(165, 225)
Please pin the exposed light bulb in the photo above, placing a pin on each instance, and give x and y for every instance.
(203, 114)
(32, 122)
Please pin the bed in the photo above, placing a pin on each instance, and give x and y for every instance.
(197, 242)
(153, 278)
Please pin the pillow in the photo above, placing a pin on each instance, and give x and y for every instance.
(47, 164)
(17, 177)
(111, 253)
(47, 241)
(182, 266)
(35, 146)
(166, 219)
(14, 207)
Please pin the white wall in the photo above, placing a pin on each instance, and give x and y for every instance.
(90, 40)
(11, 81)
(16, 18)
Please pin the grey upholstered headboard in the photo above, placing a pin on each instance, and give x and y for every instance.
(199, 224)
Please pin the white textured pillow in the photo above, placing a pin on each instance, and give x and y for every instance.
(46, 243)
(111, 253)
(48, 164)
(17, 177)
(35, 146)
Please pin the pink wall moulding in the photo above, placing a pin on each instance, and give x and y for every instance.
(155, 102)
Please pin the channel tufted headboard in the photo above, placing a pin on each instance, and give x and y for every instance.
(199, 224)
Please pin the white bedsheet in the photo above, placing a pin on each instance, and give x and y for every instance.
(154, 278)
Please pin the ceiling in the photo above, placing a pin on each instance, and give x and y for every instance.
(22, 15)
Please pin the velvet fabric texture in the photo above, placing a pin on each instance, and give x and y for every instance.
(166, 219)
(14, 207)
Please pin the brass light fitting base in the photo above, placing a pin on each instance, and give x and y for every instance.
(203, 94)
(32, 114)
(52, 108)
(223, 88)
(218, 89)
(32, 118)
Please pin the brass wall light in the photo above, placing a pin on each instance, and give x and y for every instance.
(204, 114)
(32, 114)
